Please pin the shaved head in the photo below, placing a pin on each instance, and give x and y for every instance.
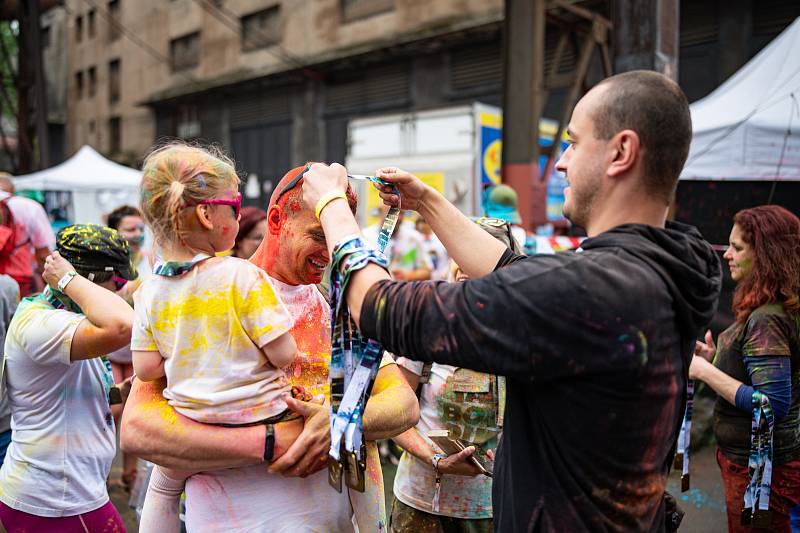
(654, 107)
(292, 201)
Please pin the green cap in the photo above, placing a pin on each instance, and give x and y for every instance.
(502, 203)
(94, 248)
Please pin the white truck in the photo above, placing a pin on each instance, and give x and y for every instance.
(456, 150)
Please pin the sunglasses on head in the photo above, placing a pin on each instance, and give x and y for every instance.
(119, 282)
(292, 184)
(235, 203)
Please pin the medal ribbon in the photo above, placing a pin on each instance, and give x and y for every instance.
(756, 495)
(354, 359)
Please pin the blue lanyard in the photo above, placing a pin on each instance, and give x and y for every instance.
(685, 438)
(354, 359)
(60, 300)
(58, 303)
(756, 495)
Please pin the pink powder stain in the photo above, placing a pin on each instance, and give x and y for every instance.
(295, 206)
(225, 230)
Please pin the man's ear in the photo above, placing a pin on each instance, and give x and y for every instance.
(202, 217)
(275, 219)
(626, 152)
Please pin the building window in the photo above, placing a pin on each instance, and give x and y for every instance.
(90, 22)
(78, 28)
(261, 29)
(185, 51)
(79, 84)
(113, 24)
(115, 135)
(92, 72)
(357, 9)
(113, 81)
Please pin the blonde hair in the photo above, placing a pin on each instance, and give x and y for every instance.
(175, 175)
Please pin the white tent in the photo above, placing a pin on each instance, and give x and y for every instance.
(749, 127)
(97, 184)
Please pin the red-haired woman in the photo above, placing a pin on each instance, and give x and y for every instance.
(756, 373)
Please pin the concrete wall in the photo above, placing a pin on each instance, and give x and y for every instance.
(312, 31)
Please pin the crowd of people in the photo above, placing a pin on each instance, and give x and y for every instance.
(528, 393)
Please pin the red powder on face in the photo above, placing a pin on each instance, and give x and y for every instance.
(225, 230)
(294, 206)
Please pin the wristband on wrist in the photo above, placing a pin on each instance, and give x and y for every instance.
(326, 199)
(65, 279)
(269, 443)
(435, 460)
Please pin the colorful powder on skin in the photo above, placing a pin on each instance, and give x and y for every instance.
(744, 266)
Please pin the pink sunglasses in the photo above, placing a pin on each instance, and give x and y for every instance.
(235, 203)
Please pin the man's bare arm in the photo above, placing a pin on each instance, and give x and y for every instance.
(153, 430)
(392, 408)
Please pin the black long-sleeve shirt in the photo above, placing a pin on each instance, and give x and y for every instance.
(596, 346)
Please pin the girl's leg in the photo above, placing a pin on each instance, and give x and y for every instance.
(161, 504)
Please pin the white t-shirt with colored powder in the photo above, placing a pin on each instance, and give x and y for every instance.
(252, 500)
(209, 325)
(63, 438)
(445, 404)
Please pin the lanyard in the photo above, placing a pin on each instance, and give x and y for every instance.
(178, 268)
(111, 391)
(59, 300)
(685, 437)
(354, 359)
(756, 496)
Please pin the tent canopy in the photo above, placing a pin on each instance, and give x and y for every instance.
(85, 171)
(749, 127)
(96, 186)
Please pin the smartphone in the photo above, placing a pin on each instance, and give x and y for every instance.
(452, 446)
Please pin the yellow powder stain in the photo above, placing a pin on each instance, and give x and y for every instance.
(159, 406)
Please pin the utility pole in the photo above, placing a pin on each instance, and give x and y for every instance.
(31, 89)
(527, 88)
(646, 35)
(523, 99)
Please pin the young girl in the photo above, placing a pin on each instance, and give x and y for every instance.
(213, 325)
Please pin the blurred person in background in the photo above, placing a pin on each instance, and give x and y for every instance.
(128, 221)
(502, 203)
(758, 355)
(33, 237)
(406, 251)
(60, 389)
(252, 229)
(440, 261)
(9, 299)
(432, 491)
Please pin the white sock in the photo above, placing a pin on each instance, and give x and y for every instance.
(161, 504)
